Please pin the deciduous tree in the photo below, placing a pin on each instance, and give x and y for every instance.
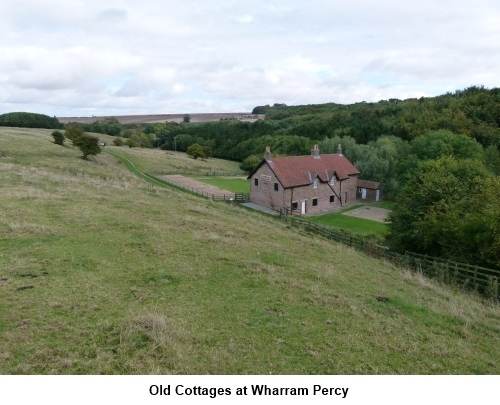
(88, 144)
(448, 208)
(196, 151)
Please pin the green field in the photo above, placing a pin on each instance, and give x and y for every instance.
(102, 272)
(356, 225)
(233, 184)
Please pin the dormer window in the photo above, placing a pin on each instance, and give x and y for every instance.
(332, 180)
(315, 183)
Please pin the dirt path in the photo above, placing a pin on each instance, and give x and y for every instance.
(194, 185)
(367, 212)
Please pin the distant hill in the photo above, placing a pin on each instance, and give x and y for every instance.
(155, 118)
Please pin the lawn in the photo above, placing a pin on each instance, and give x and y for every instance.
(233, 184)
(357, 225)
(102, 272)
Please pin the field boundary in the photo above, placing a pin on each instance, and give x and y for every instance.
(220, 195)
(154, 179)
(201, 173)
(483, 280)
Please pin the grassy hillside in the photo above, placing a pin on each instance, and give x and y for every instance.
(153, 160)
(130, 278)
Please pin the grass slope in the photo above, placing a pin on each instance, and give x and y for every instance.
(154, 160)
(133, 278)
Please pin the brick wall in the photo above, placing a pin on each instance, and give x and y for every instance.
(264, 193)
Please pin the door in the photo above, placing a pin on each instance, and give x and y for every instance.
(363, 193)
(377, 196)
(303, 207)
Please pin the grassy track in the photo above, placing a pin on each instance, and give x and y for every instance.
(129, 277)
(145, 176)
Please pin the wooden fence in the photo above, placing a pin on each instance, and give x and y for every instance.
(230, 197)
(237, 197)
(480, 279)
(202, 173)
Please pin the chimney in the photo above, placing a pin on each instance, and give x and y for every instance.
(267, 153)
(339, 150)
(315, 152)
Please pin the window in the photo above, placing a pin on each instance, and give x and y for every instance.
(315, 183)
(295, 205)
(332, 180)
(315, 202)
(276, 186)
(256, 181)
(332, 198)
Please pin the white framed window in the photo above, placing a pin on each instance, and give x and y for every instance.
(315, 183)
(332, 180)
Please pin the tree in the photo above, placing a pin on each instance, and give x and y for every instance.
(196, 151)
(251, 162)
(186, 119)
(73, 130)
(58, 137)
(447, 208)
(88, 144)
(492, 159)
(436, 144)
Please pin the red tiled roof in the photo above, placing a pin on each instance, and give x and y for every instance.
(297, 171)
(372, 185)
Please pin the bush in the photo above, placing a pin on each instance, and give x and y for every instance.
(88, 144)
(118, 142)
(132, 143)
(58, 137)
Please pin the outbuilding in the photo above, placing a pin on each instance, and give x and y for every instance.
(369, 191)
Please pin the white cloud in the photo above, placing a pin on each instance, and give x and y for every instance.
(102, 57)
(247, 18)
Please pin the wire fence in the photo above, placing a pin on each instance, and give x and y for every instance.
(483, 280)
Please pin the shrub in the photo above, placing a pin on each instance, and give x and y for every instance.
(118, 142)
(132, 143)
(58, 137)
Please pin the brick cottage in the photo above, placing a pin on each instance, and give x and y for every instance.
(304, 184)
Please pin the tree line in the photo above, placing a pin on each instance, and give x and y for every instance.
(29, 120)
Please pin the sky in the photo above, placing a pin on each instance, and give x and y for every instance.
(105, 57)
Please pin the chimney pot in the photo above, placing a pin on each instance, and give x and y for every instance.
(315, 151)
(267, 153)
